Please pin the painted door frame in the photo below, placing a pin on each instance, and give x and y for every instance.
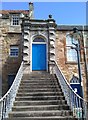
(46, 52)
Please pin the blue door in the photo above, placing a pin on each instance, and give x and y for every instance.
(38, 56)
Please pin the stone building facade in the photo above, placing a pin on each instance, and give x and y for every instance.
(20, 32)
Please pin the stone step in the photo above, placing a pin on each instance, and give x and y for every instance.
(40, 107)
(39, 90)
(39, 80)
(39, 93)
(40, 113)
(38, 86)
(37, 74)
(37, 77)
(39, 83)
(43, 118)
(39, 102)
(40, 98)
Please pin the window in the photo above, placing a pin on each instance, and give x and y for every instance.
(38, 39)
(15, 20)
(71, 54)
(74, 79)
(14, 51)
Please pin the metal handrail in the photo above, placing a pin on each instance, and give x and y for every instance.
(77, 104)
(6, 102)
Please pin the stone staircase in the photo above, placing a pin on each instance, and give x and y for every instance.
(40, 98)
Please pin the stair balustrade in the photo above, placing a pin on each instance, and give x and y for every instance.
(6, 102)
(77, 104)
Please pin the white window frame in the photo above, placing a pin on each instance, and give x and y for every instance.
(14, 53)
(71, 54)
(15, 20)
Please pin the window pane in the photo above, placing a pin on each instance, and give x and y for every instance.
(14, 51)
(69, 41)
(71, 55)
(38, 40)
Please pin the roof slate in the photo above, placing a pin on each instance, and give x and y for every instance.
(13, 11)
(70, 27)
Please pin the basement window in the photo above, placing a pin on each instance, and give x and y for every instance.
(14, 51)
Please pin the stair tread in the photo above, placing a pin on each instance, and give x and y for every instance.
(28, 84)
(41, 92)
(40, 113)
(43, 118)
(47, 117)
(38, 87)
(39, 96)
(39, 101)
(44, 111)
(39, 106)
(42, 88)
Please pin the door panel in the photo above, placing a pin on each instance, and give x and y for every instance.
(38, 56)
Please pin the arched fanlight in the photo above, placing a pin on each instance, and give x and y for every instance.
(39, 39)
